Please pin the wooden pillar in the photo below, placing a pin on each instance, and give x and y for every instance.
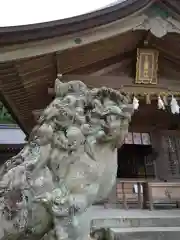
(140, 200)
(124, 196)
(161, 158)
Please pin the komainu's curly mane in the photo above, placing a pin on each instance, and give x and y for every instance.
(68, 163)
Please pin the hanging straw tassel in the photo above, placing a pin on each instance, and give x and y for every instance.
(174, 106)
(165, 100)
(135, 103)
(160, 103)
(148, 99)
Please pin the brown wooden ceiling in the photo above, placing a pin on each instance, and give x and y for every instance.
(24, 83)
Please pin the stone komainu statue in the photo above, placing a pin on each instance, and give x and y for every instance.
(69, 163)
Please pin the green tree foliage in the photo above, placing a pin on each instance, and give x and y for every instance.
(5, 117)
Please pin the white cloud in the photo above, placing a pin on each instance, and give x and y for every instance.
(22, 12)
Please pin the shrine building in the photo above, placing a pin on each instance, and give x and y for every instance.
(132, 46)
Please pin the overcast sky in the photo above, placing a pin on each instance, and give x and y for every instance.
(22, 12)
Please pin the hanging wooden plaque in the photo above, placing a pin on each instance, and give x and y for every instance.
(129, 139)
(137, 138)
(146, 66)
(146, 139)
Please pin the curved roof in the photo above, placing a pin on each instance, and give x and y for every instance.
(32, 24)
(118, 10)
(46, 11)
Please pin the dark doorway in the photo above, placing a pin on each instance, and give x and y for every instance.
(135, 161)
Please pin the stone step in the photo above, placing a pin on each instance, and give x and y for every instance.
(144, 233)
(135, 222)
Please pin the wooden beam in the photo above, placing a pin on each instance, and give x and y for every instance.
(123, 83)
(97, 81)
(115, 81)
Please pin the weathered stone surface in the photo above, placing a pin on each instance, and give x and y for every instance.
(144, 233)
(134, 222)
(121, 223)
(68, 163)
